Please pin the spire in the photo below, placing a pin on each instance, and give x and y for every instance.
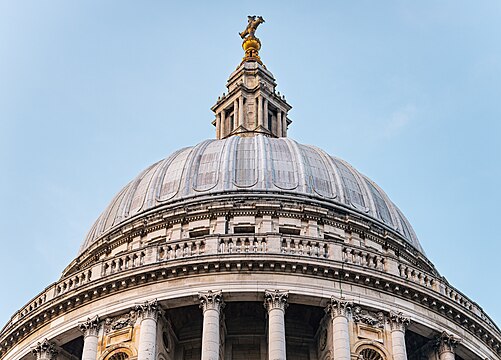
(252, 106)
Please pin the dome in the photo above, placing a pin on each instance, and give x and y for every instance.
(252, 165)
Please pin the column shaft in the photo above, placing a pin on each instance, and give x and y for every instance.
(210, 335)
(341, 338)
(259, 110)
(90, 329)
(90, 347)
(398, 341)
(222, 133)
(147, 348)
(241, 111)
(218, 126)
(276, 334)
(211, 302)
(398, 324)
(279, 124)
(235, 115)
(265, 115)
(447, 355)
(147, 340)
(276, 302)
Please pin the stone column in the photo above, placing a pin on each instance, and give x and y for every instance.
(211, 303)
(279, 124)
(445, 345)
(241, 111)
(218, 126)
(147, 347)
(235, 115)
(275, 301)
(265, 113)
(222, 132)
(398, 324)
(259, 110)
(44, 350)
(339, 310)
(90, 330)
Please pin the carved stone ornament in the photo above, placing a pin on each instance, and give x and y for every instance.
(339, 307)
(44, 350)
(90, 327)
(120, 322)
(398, 321)
(211, 300)
(446, 343)
(276, 299)
(148, 309)
(368, 317)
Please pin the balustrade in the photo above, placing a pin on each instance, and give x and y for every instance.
(181, 249)
(238, 245)
(298, 246)
(363, 258)
(122, 263)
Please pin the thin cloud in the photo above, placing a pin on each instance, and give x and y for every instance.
(399, 119)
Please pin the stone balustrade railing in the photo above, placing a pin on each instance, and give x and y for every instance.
(122, 263)
(304, 247)
(363, 258)
(181, 249)
(235, 244)
(242, 245)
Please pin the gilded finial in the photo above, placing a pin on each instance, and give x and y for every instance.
(251, 43)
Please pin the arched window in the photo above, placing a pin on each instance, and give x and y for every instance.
(119, 356)
(370, 354)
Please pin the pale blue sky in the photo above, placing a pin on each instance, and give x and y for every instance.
(92, 92)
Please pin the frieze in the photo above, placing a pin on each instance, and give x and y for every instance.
(120, 322)
(367, 317)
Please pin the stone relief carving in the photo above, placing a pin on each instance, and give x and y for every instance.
(120, 322)
(374, 319)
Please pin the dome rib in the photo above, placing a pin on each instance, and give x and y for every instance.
(258, 164)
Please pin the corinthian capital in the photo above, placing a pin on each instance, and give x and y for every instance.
(398, 321)
(446, 343)
(339, 307)
(148, 309)
(90, 326)
(275, 299)
(44, 350)
(211, 300)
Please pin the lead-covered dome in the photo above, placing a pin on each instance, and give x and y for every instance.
(251, 165)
